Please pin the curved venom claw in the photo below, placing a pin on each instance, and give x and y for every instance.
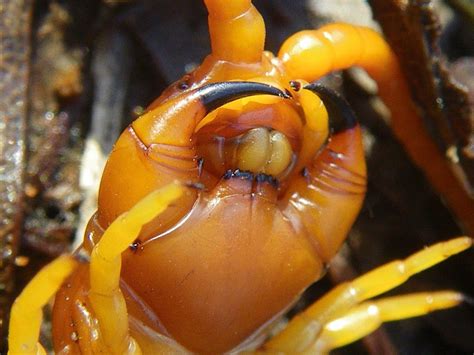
(217, 94)
(188, 109)
(341, 116)
(159, 148)
(330, 192)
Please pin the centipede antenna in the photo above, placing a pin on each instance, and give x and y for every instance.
(341, 116)
(217, 94)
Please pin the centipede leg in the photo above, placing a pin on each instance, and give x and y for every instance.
(304, 330)
(105, 295)
(368, 316)
(27, 311)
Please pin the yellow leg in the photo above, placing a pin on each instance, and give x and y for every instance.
(303, 330)
(26, 313)
(105, 294)
(368, 316)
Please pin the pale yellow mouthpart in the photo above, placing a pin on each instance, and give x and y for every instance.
(262, 150)
(254, 150)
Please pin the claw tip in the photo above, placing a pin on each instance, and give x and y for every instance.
(286, 94)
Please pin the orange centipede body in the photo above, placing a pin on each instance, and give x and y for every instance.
(226, 199)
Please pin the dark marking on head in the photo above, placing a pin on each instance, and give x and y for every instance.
(262, 178)
(305, 174)
(184, 83)
(244, 175)
(200, 164)
(295, 85)
(228, 174)
(250, 176)
(183, 86)
(136, 245)
(196, 185)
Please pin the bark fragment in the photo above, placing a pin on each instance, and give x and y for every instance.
(15, 49)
